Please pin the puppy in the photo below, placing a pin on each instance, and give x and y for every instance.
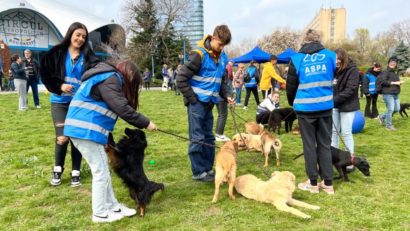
(281, 114)
(263, 143)
(126, 159)
(341, 159)
(225, 168)
(277, 190)
(403, 108)
(254, 128)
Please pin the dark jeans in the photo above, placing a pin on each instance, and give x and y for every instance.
(264, 93)
(200, 121)
(263, 117)
(222, 116)
(58, 114)
(146, 85)
(254, 91)
(316, 137)
(34, 88)
(371, 101)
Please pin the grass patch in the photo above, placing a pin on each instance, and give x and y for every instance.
(28, 202)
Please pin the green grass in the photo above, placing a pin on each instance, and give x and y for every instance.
(28, 202)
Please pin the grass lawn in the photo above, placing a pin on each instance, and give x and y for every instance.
(28, 202)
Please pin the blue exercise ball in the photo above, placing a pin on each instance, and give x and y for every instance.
(358, 122)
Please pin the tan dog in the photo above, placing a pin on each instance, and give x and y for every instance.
(225, 168)
(277, 190)
(254, 128)
(263, 143)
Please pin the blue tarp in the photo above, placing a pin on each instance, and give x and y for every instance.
(256, 54)
(284, 57)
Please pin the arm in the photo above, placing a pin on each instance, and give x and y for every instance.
(50, 75)
(352, 85)
(16, 68)
(188, 70)
(272, 72)
(292, 84)
(365, 83)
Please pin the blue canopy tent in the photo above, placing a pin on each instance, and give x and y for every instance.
(256, 54)
(284, 57)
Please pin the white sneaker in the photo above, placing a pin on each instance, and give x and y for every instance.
(245, 108)
(124, 210)
(221, 138)
(38, 106)
(110, 217)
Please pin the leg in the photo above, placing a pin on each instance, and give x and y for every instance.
(389, 101)
(222, 116)
(375, 112)
(367, 112)
(302, 204)
(282, 206)
(34, 88)
(324, 155)
(219, 176)
(255, 94)
(346, 122)
(335, 128)
(308, 133)
(248, 94)
(231, 181)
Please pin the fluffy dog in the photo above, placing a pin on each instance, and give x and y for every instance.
(263, 143)
(277, 190)
(403, 108)
(225, 168)
(279, 115)
(126, 158)
(341, 159)
(254, 128)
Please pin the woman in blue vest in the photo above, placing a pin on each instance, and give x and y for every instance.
(61, 70)
(369, 90)
(106, 93)
(252, 85)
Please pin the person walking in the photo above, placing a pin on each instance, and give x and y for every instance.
(309, 91)
(31, 68)
(61, 70)
(369, 90)
(20, 79)
(390, 88)
(252, 85)
(200, 81)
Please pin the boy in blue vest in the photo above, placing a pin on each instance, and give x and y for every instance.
(200, 82)
(309, 90)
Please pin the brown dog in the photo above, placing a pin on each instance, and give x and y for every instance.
(277, 190)
(225, 168)
(254, 128)
(263, 143)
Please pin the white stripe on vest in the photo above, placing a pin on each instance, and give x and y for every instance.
(94, 107)
(86, 125)
(313, 100)
(315, 84)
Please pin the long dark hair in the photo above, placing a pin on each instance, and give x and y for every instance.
(343, 57)
(67, 38)
(132, 81)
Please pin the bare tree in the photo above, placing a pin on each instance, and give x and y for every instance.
(362, 40)
(401, 31)
(279, 40)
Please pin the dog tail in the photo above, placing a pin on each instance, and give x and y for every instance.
(301, 154)
(277, 144)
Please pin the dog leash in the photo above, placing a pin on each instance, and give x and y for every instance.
(236, 114)
(193, 141)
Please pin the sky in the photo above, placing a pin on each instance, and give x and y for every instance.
(251, 19)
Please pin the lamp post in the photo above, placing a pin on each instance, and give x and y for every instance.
(183, 44)
(152, 64)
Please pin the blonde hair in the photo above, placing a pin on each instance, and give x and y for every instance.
(311, 36)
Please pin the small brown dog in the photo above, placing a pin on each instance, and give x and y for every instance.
(254, 128)
(263, 143)
(277, 190)
(225, 168)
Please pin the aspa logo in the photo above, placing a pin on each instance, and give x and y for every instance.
(314, 57)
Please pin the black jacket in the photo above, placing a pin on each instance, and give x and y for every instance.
(111, 92)
(292, 81)
(365, 81)
(188, 70)
(52, 67)
(386, 77)
(345, 92)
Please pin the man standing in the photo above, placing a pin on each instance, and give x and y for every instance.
(200, 82)
(310, 91)
(31, 68)
(270, 75)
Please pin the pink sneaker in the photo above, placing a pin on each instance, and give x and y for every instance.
(306, 186)
(328, 189)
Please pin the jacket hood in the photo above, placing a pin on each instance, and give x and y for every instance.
(98, 69)
(205, 43)
(310, 48)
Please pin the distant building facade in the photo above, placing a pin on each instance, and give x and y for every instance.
(331, 23)
(194, 27)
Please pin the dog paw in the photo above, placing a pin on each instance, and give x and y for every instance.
(232, 197)
(305, 216)
(314, 207)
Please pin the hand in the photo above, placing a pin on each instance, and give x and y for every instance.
(152, 126)
(66, 87)
(231, 100)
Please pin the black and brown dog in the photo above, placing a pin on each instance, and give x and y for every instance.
(403, 108)
(341, 159)
(126, 158)
(281, 114)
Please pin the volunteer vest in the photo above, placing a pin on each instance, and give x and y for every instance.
(372, 83)
(252, 71)
(73, 73)
(316, 72)
(88, 118)
(207, 82)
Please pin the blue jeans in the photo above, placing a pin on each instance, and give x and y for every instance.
(392, 105)
(238, 95)
(342, 125)
(34, 88)
(10, 85)
(200, 119)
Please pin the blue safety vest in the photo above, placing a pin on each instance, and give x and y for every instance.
(87, 118)
(207, 82)
(316, 72)
(372, 83)
(73, 75)
(252, 71)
